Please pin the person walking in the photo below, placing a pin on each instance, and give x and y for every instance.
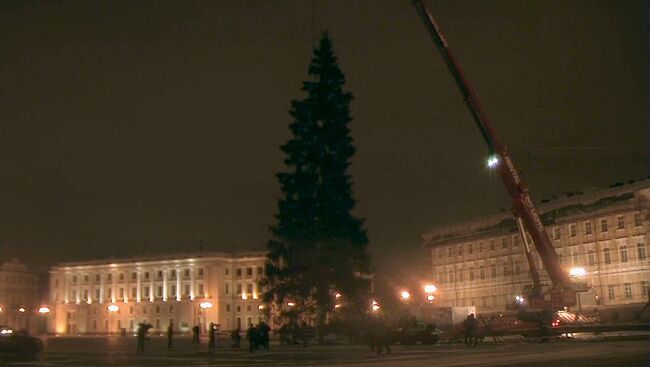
(263, 331)
(470, 324)
(195, 334)
(251, 335)
(212, 333)
(141, 334)
(170, 333)
(236, 338)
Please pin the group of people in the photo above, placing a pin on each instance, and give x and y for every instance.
(258, 336)
(470, 325)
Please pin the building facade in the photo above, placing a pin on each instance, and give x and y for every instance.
(482, 262)
(19, 296)
(157, 290)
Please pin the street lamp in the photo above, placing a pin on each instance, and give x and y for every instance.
(112, 308)
(405, 295)
(21, 309)
(375, 306)
(205, 305)
(578, 272)
(430, 288)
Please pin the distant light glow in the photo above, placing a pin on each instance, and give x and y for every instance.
(291, 304)
(244, 296)
(6, 331)
(405, 295)
(578, 272)
(44, 310)
(337, 295)
(260, 307)
(492, 161)
(205, 305)
(113, 308)
(337, 306)
(430, 288)
(375, 307)
(519, 299)
(21, 309)
(431, 297)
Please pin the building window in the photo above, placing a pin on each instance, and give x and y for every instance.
(97, 293)
(572, 230)
(227, 288)
(576, 258)
(238, 272)
(248, 308)
(504, 242)
(159, 291)
(450, 251)
(160, 274)
(109, 291)
(173, 274)
(461, 276)
(556, 233)
(587, 228)
(505, 270)
(157, 309)
(628, 290)
(187, 290)
(134, 276)
(96, 277)
(603, 225)
(239, 288)
(134, 292)
(131, 310)
(608, 258)
(249, 288)
(187, 273)
(173, 291)
(200, 289)
(171, 308)
(640, 251)
(610, 291)
(645, 288)
(482, 273)
(238, 308)
(515, 241)
(480, 246)
(470, 248)
(74, 279)
(623, 254)
(227, 271)
(228, 307)
(146, 291)
(439, 254)
(146, 275)
(120, 293)
(517, 268)
(494, 271)
(249, 272)
(200, 272)
(590, 256)
(621, 221)
(260, 271)
(460, 250)
(471, 273)
(637, 219)
(491, 244)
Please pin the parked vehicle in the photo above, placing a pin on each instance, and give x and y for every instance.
(18, 343)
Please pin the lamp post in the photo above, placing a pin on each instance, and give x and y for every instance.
(205, 305)
(111, 309)
(578, 272)
(44, 311)
(405, 295)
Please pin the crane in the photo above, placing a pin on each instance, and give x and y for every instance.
(563, 290)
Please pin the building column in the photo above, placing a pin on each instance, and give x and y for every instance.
(151, 286)
(66, 287)
(192, 284)
(165, 285)
(113, 286)
(101, 287)
(78, 300)
(138, 294)
(178, 284)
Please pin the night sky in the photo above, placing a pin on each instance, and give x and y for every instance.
(134, 127)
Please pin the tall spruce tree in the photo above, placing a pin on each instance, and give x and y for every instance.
(318, 247)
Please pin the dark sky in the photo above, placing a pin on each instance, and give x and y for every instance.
(140, 126)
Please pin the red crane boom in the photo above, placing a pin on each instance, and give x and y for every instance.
(562, 292)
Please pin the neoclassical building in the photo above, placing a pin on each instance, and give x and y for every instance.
(158, 290)
(482, 262)
(19, 296)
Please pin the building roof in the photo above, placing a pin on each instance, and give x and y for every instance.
(166, 257)
(551, 212)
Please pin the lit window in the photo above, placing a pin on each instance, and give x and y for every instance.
(603, 225)
(620, 221)
(628, 290)
(572, 230)
(640, 249)
(645, 288)
(556, 233)
(587, 228)
(623, 254)
(637, 219)
(608, 258)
